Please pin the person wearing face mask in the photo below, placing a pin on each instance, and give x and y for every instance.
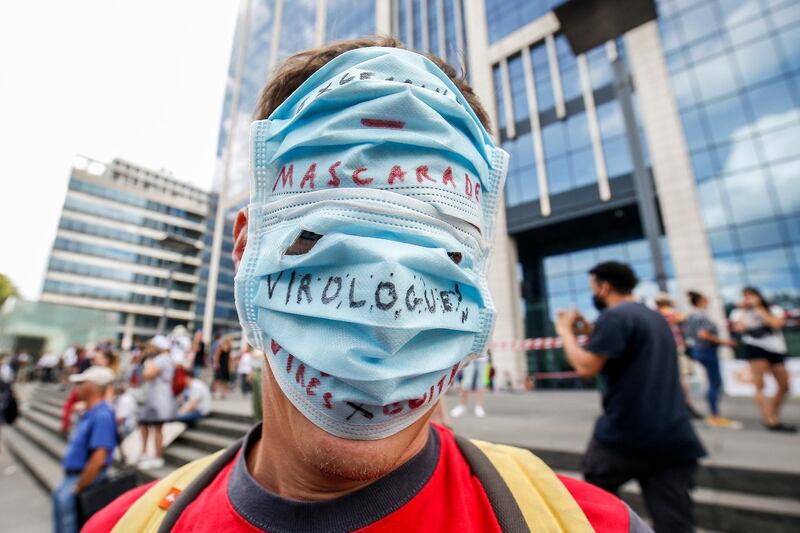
(362, 284)
(644, 432)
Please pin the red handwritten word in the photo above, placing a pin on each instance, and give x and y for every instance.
(391, 409)
(300, 376)
(383, 123)
(415, 403)
(361, 177)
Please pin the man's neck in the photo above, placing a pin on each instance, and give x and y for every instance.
(93, 401)
(614, 299)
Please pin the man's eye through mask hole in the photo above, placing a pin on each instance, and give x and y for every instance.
(303, 243)
(455, 256)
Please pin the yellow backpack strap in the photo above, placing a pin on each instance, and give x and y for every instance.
(147, 515)
(525, 493)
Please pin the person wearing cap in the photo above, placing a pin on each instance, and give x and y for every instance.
(362, 264)
(90, 448)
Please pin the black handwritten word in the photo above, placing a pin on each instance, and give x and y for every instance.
(395, 176)
(306, 288)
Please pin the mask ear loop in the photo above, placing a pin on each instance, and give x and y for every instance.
(496, 181)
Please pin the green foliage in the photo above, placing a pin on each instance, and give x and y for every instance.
(6, 289)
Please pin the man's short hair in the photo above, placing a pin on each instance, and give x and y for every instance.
(619, 275)
(299, 67)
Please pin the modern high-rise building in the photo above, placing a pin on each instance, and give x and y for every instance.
(661, 133)
(129, 240)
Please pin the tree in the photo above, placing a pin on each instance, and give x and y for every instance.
(6, 289)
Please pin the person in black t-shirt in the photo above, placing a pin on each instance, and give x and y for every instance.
(199, 349)
(644, 432)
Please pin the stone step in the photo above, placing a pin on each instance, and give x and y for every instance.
(47, 422)
(224, 426)
(47, 409)
(203, 440)
(44, 399)
(146, 476)
(180, 454)
(715, 477)
(45, 469)
(54, 394)
(720, 510)
(227, 414)
(48, 442)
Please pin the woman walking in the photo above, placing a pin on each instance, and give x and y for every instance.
(765, 347)
(703, 342)
(160, 405)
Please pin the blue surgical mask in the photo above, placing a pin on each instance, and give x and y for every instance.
(373, 197)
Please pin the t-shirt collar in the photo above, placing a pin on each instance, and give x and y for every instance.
(356, 510)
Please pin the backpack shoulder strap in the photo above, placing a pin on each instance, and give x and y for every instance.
(524, 492)
(146, 513)
(505, 507)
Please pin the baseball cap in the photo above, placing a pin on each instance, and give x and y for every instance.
(663, 298)
(161, 342)
(99, 375)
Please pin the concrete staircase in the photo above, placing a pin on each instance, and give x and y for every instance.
(727, 498)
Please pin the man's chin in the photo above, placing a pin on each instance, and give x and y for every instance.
(359, 460)
(336, 457)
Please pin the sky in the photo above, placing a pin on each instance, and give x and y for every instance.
(139, 79)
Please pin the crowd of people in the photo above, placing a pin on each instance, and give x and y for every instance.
(114, 392)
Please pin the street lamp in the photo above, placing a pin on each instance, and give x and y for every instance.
(172, 243)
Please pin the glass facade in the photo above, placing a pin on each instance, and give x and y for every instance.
(437, 29)
(567, 281)
(347, 19)
(569, 162)
(506, 16)
(735, 72)
(226, 320)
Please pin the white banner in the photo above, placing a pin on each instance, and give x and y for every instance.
(739, 382)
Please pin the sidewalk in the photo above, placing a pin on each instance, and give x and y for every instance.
(564, 420)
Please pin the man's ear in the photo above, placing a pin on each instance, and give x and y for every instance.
(239, 237)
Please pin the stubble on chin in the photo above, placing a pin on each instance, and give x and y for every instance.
(360, 460)
(350, 466)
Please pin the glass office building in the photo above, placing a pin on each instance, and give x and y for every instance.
(129, 240)
(664, 137)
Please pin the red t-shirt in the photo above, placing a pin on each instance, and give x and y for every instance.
(445, 497)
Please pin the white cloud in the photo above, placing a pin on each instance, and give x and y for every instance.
(143, 80)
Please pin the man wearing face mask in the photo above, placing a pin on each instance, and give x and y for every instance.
(644, 432)
(361, 276)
